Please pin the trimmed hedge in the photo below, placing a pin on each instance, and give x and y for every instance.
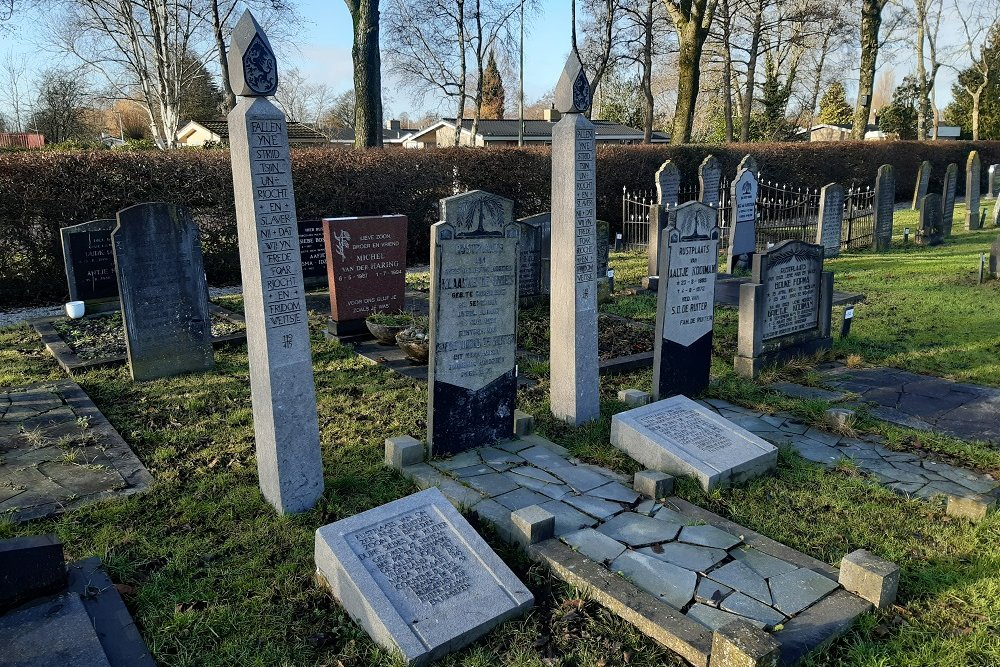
(42, 191)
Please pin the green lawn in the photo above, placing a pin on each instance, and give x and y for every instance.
(214, 577)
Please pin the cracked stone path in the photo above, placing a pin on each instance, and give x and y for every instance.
(966, 411)
(57, 451)
(905, 473)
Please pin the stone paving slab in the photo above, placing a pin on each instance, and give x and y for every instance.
(906, 473)
(676, 577)
(57, 452)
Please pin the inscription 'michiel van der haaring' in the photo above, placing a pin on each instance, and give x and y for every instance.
(417, 556)
(276, 224)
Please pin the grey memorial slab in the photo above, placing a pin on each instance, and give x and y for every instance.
(923, 181)
(56, 632)
(993, 181)
(681, 437)
(750, 164)
(668, 184)
(89, 261)
(534, 260)
(973, 191)
(948, 197)
(995, 256)
(286, 426)
(885, 207)
(743, 232)
(417, 577)
(785, 311)
(164, 295)
(472, 374)
(931, 229)
(685, 301)
(710, 181)
(831, 219)
(573, 363)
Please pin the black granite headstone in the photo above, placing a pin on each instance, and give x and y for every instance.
(931, 229)
(163, 291)
(90, 261)
(948, 198)
(685, 303)
(472, 375)
(30, 566)
(312, 249)
(534, 259)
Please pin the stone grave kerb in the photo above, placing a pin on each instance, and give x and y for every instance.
(682, 350)
(468, 409)
(755, 351)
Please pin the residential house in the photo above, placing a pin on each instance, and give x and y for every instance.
(393, 135)
(201, 132)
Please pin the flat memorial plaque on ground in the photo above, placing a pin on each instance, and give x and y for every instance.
(417, 577)
(681, 437)
(89, 260)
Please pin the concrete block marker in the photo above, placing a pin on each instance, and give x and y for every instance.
(634, 397)
(870, 577)
(524, 424)
(533, 524)
(417, 577)
(681, 437)
(286, 427)
(402, 451)
(653, 484)
(971, 506)
(739, 644)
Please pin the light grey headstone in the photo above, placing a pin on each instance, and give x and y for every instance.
(417, 577)
(743, 231)
(90, 261)
(573, 363)
(885, 204)
(923, 181)
(996, 213)
(973, 191)
(750, 164)
(930, 231)
(993, 185)
(831, 219)
(535, 257)
(682, 437)
(471, 378)
(948, 197)
(668, 184)
(685, 303)
(709, 181)
(286, 427)
(164, 295)
(995, 256)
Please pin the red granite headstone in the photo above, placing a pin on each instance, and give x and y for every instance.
(366, 269)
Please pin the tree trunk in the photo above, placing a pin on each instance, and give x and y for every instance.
(480, 57)
(751, 74)
(922, 103)
(688, 78)
(367, 74)
(871, 21)
(819, 78)
(229, 97)
(460, 116)
(727, 71)
(975, 113)
(602, 63)
(647, 77)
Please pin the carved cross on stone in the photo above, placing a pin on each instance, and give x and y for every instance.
(253, 69)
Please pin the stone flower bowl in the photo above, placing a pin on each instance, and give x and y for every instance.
(415, 344)
(385, 328)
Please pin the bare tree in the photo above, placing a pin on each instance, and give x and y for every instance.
(14, 90)
(692, 19)
(490, 30)
(301, 99)
(976, 18)
(927, 23)
(598, 51)
(871, 23)
(647, 30)
(367, 61)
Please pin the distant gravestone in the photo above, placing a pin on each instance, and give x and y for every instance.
(681, 437)
(473, 316)
(831, 219)
(535, 257)
(785, 311)
(90, 261)
(973, 191)
(750, 164)
(709, 181)
(995, 258)
(668, 185)
(164, 296)
(993, 185)
(286, 426)
(574, 393)
(996, 213)
(743, 231)
(885, 205)
(417, 577)
(923, 182)
(366, 270)
(948, 198)
(685, 304)
(930, 231)
(312, 252)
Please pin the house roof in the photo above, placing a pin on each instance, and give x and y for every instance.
(541, 130)
(346, 135)
(296, 131)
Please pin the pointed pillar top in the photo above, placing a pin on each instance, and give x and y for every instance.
(573, 89)
(253, 69)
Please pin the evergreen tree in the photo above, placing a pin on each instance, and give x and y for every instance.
(774, 97)
(900, 116)
(959, 112)
(621, 98)
(833, 107)
(493, 93)
(201, 98)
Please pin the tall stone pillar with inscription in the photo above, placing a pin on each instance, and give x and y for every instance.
(281, 375)
(573, 369)
(685, 303)
(471, 373)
